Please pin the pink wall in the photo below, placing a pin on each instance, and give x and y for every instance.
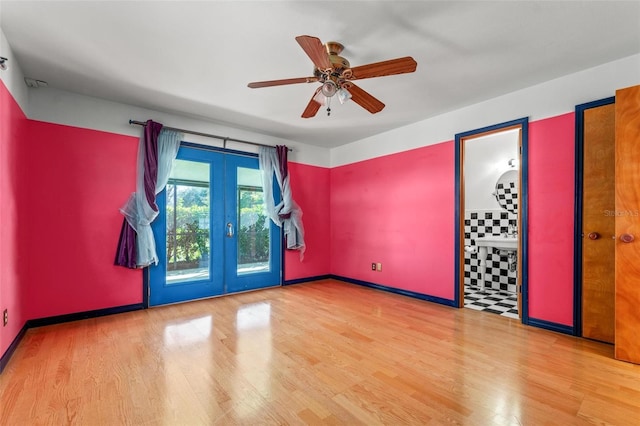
(78, 179)
(60, 221)
(397, 210)
(12, 136)
(551, 218)
(310, 188)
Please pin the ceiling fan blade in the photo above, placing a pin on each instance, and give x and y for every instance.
(258, 84)
(316, 51)
(390, 67)
(365, 99)
(312, 107)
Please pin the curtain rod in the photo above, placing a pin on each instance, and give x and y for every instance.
(208, 135)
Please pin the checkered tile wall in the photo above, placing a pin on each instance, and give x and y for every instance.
(497, 273)
(507, 196)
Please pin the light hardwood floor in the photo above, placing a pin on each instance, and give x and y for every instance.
(317, 353)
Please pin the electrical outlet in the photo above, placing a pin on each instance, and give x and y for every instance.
(5, 317)
(373, 266)
(379, 266)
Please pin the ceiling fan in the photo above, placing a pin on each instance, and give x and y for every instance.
(336, 76)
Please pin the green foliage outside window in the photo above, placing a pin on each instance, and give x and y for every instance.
(253, 238)
(188, 226)
(187, 239)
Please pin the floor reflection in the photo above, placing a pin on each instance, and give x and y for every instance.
(186, 378)
(255, 316)
(253, 358)
(189, 332)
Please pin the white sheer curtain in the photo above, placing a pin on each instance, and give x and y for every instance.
(286, 213)
(138, 212)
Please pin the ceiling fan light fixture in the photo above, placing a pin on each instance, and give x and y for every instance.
(320, 98)
(329, 88)
(343, 95)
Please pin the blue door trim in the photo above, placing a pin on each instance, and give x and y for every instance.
(524, 126)
(578, 205)
(218, 281)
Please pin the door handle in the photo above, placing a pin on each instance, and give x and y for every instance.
(627, 238)
(229, 230)
(593, 235)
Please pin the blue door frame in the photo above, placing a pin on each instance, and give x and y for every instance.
(224, 276)
(523, 123)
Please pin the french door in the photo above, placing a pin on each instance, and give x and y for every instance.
(211, 233)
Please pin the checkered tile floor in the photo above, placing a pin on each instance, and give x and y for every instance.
(494, 301)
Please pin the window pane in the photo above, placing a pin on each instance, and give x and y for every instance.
(188, 233)
(253, 225)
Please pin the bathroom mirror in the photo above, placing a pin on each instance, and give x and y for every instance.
(506, 192)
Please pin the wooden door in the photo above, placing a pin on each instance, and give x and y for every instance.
(598, 223)
(627, 215)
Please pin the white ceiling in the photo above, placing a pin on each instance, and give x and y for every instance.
(196, 58)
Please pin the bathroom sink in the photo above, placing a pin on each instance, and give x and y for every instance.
(501, 242)
(498, 241)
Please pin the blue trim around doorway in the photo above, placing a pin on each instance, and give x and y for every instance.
(524, 125)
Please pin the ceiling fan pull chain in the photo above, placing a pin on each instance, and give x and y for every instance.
(328, 106)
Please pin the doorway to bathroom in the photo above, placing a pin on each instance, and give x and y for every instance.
(491, 219)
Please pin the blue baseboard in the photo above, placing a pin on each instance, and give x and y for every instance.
(4, 360)
(83, 315)
(548, 325)
(306, 280)
(408, 293)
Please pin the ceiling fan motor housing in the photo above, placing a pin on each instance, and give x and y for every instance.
(340, 67)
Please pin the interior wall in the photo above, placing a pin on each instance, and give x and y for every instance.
(74, 220)
(77, 181)
(397, 210)
(551, 218)
(310, 189)
(13, 100)
(12, 292)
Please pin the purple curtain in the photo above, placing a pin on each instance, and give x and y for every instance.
(283, 164)
(126, 252)
(151, 133)
(282, 152)
(148, 150)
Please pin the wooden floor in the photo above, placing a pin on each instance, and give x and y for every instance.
(318, 353)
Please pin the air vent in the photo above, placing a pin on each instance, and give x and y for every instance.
(32, 82)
